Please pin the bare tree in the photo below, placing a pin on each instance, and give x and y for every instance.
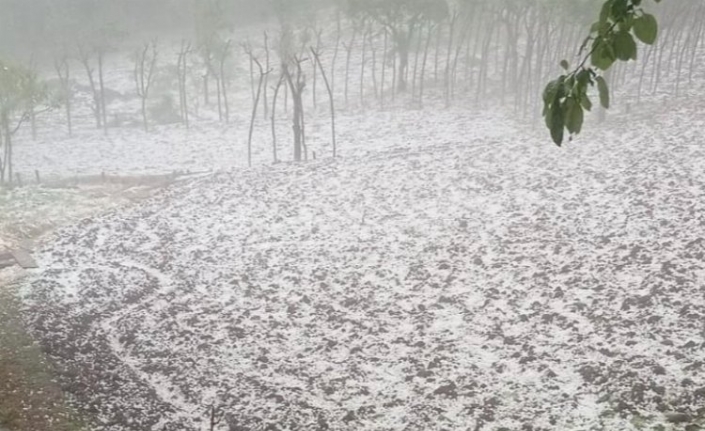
(206, 53)
(274, 115)
(314, 74)
(401, 19)
(317, 58)
(84, 57)
(63, 72)
(33, 78)
(449, 50)
(262, 74)
(348, 49)
(297, 84)
(20, 93)
(365, 35)
(223, 54)
(429, 36)
(267, 66)
(384, 67)
(101, 82)
(181, 69)
(247, 47)
(336, 48)
(145, 66)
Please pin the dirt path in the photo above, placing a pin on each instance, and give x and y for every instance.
(30, 397)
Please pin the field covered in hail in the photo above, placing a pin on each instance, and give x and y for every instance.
(486, 281)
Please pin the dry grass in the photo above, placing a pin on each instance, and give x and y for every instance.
(30, 399)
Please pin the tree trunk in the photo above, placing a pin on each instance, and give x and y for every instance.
(296, 88)
(437, 54)
(423, 62)
(335, 51)
(394, 77)
(262, 73)
(181, 68)
(330, 98)
(373, 50)
(7, 162)
(266, 77)
(449, 50)
(273, 118)
(384, 69)
(223, 81)
(85, 60)
(362, 68)
(348, 48)
(417, 53)
(101, 81)
(484, 66)
(402, 42)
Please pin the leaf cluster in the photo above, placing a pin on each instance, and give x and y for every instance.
(20, 89)
(612, 37)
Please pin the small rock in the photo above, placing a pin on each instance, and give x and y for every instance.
(588, 373)
(449, 390)
(677, 418)
(699, 393)
(690, 344)
(653, 319)
(349, 416)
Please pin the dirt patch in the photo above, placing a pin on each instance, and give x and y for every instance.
(30, 398)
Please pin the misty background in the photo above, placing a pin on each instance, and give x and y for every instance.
(239, 215)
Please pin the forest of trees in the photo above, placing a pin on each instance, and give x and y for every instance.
(341, 54)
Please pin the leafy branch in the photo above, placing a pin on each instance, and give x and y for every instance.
(611, 38)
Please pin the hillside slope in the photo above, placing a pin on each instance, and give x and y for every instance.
(475, 285)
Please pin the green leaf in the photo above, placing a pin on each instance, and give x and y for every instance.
(619, 9)
(557, 124)
(602, 55)
(646, 28)
(565, 65)
(584, 78)
(549, 93)
(574, 116)
(624, 46)
(605, 12)
(586, 103)
(604, 92)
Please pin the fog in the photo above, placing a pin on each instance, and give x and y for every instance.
(350, 215)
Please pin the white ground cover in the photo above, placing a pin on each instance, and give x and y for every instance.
(209, 145)
(477, 282)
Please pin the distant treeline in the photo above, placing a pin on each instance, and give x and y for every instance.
(37, 26)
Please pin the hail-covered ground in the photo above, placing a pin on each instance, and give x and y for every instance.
(486, 281)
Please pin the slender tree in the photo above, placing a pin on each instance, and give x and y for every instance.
(274, 115)
(297, 84)
(63, 72)
(143, 74)
(262, 74)
(331, 99)
(182, 66)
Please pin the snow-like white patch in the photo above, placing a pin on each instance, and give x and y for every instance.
(435, 287)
